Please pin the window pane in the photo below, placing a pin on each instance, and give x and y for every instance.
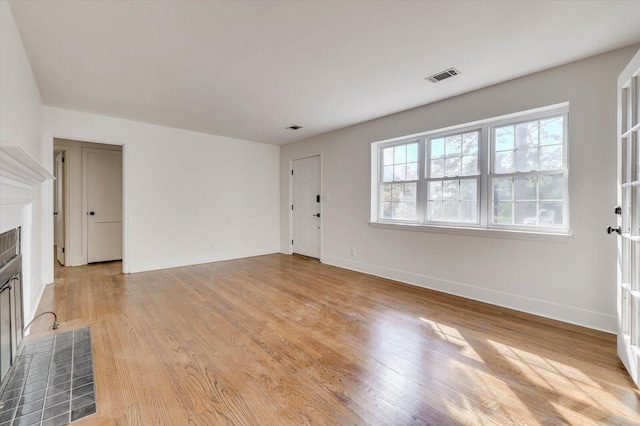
(437, 168)
(400, 163)
(525, 212)
(386, 192)
(410, 211)
(412, 171)
(551, 187)
(434, 210)
(551, 131)
(452, 166)
(400, 172)
(387, 174)
(503, 189)
(437, 148)
(470, 143)
(387, 156)
(527, 159)
(397, 192)
(468, 211)
(435, 191)
(551, 157)
(400, 154)
(502, 212)
(527, 135)
(504, 162)
(550, 213)
(410, 192)
(450, 190)
(469, 189)
(450, 211)
(399, 201)
(469, 165)
(504, 138)
(386, 210)
(397, 210)
(453, 144)
(526, 188)
(412, 153)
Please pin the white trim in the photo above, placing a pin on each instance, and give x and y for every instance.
(16, 164)
(477, 232)
(559, 312)
(79, 260)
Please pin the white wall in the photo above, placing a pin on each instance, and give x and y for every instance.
(20, 124)
(188, 197)
(75, 216)
(573, 282)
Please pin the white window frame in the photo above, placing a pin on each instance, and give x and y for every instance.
(426, 145)
(486, 146)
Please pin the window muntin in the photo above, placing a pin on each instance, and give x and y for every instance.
(501, 173)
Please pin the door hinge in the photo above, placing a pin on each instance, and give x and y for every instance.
(291, 206)
(291, 242)
(63, 159)
(291, 172)
(63, 249)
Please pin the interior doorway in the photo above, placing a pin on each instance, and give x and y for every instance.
(88, 200)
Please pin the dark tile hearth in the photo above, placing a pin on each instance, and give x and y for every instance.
(51, 383)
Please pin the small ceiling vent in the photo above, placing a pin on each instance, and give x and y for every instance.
(294, 127)
(443, 75)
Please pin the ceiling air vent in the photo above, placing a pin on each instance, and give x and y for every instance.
(443, 75)
(294, 127)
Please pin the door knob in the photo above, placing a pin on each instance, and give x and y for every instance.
(611, 230)
(617, 210)
(317, 215)
(92, 213)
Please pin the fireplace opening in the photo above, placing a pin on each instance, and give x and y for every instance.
(11, 305)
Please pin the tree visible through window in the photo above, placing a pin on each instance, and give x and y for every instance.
(501, 173)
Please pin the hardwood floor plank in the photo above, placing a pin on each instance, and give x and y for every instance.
(278, 340)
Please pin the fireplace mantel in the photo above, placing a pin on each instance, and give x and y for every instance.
(18, 166)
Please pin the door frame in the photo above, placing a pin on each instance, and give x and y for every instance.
(322, 195)
(125, 199)
(65, 203)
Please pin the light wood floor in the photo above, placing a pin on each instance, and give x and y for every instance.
(279, 340)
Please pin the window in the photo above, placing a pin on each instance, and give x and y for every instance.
(399, 182)
(504, 173)
(453, 178)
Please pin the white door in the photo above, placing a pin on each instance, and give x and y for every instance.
(104, 204)
(59, 208)
(306, 206)
(628, 287)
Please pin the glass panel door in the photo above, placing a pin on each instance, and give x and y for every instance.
(628, 226)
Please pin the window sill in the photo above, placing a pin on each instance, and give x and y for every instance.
(477, 232)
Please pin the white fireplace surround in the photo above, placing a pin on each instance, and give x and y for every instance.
(21, 177)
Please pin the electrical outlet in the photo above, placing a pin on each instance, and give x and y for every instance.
(353, 251)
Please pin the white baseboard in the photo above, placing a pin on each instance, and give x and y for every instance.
(155, 264)
(569, 314)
